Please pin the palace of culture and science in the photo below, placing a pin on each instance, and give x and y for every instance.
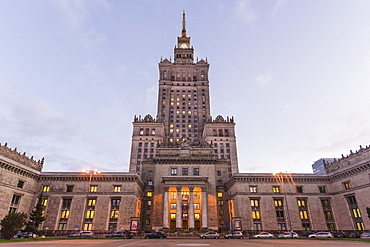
(184, 175)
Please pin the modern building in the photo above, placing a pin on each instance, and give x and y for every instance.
(318, 165)
(184, 175)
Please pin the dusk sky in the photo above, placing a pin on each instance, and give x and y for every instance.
(294, 74)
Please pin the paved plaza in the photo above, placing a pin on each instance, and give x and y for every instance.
(188, 243)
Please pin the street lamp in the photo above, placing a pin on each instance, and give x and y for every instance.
(280, 177)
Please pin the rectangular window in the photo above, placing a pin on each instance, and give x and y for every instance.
(356, 213)
(66, 203)
(196, 205)
(45, 188)
(93, 188)
(20, 184)
(91, 202)
(149, 194)
(222, 222)
(173, 216)
(253, 189)
(299, 189)
(150, 183)
(256, 215)
(44, 202)
(184, 171)
(173, 171)
(301, 203)
(219, 194)
(280, 215)
(115, 202)
(69, 188)
(254, 203)
(276, 189)
(220, 203)
(117, 188)
(16, 199)
(147, 222)
(150, 173)
(87, 227)
(325, 203)
(303, 214)
(328, 215)
(172, 195)
(196, 171)
(62, 226)
(360, 226)
(322, 189)
(89, 214)
(218, 173)
(64, 214)
(173, 205)
(278, 202)
(114, 214)
(347, 185)
(197, 216)
(257, 226)
(12, 210)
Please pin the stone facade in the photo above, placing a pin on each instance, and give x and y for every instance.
(184, 175)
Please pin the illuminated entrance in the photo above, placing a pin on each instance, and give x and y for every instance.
(183, 208)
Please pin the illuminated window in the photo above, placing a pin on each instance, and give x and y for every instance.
(254, 202)
(356, 213)
(43, 213)
(360, 226)
(64, 214)
(301, 203)
(173, 216)
(276, 189)
(91, 202)
(219, 194)
(220, 203)
(149, 194)
(196, 195)
(114, 214)
(221, 212)
(93, 188)
(172, 195)
(197, 216)
(303, 214)
(278, 202)
(347, 185)
(328, 215)
(89, 214)
(44, 202)
(173, 205)
(253, 189)
(196, 205)
(46, 189)
(87, 227)
(256, 214)
(117, 188)
(147, 222)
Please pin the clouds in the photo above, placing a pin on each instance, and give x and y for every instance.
(244, 11)
(266, 79)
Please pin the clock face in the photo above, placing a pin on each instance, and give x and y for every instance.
(183, 46)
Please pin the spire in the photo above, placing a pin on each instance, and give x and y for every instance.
(183, 33)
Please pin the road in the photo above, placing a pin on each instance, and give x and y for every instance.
(187, 243)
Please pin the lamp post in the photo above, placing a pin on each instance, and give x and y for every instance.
(91, 173)
(280, 176)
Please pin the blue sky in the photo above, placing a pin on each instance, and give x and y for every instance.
(294, 74)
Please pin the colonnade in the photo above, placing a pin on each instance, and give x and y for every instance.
(185, 210)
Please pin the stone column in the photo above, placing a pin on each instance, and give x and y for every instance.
(204, 210)
(165, 209)
(191, 208)
(178, 208)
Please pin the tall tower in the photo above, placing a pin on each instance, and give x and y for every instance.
(183, 110)
(183, 95)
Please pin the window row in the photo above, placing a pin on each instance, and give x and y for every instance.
(276, 189)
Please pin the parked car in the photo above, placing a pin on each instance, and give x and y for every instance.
(264, 235)
(210, 235)
(234, 235)
(340, 235)
(288, 235)
(353, 235)
(82, 234)
(365, 235)
(321, 235)
(156, 235)
(24, 235)
(119, 235)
